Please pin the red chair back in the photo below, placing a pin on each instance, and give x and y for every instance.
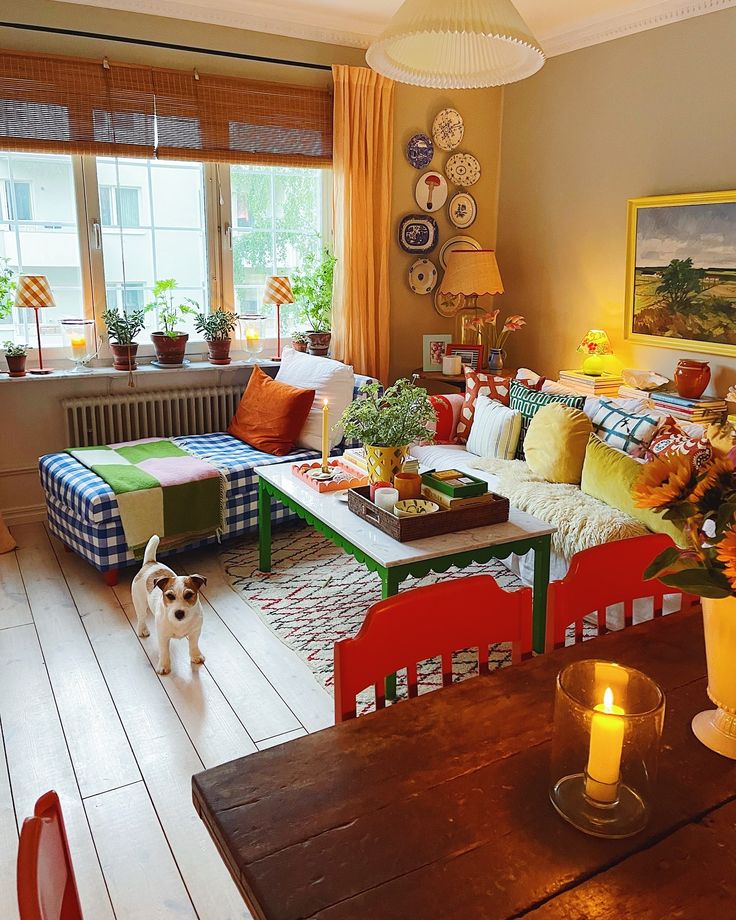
(601, 577)
(426, 623)
(47, 889)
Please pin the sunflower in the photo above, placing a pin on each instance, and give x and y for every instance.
(714, 485)
(664, 482)
(726, 553)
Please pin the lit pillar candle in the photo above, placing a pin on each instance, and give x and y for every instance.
(606, 745)
(325, 436)
(78, 344)
(252, 337)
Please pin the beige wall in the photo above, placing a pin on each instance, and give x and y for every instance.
(412, 315)
(649, 114)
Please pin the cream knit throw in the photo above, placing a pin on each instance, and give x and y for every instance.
(581, 520)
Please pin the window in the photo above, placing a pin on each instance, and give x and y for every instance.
(119, 207)
(39, 234)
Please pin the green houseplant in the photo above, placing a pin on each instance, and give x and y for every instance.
(122, 328)
(7, 288)
(15, 355)
(312, 286)
(386, 422)
(169, 342)
(299, 341)
(215, 328)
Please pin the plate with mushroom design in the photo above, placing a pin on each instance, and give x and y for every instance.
(463, 169)
(462, 210)
(423, 276)
(431, 191)
(448, 129)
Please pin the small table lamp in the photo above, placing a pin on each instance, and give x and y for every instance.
(34, 293)
(278, 291)
(472, 273)
(595, 344)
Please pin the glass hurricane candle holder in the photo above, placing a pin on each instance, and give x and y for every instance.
(607, 732)
(251, 333)
(80, 342)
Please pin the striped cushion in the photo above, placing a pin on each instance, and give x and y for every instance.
(495, 431)
(529, 402)
(628, 431)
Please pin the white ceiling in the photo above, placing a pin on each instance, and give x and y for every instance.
(560, 25)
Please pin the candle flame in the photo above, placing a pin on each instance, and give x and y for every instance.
(608, 700)
(325, 402)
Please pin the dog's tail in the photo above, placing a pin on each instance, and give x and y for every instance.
(151, 547)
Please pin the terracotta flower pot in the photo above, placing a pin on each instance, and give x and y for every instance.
(299, 346)
(319, 343)
(170, 349)
(219, 351)
(124, 356)
(16, 365)
(691, 378)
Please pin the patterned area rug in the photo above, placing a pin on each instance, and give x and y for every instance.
(317, 594)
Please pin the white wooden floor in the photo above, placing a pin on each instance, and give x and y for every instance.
(83, 711)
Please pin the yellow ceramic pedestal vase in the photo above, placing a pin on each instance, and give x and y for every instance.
(716, 728)
(385, 462)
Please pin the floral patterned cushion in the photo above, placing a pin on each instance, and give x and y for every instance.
(478, 383)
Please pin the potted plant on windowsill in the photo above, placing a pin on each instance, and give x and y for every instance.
(386, 423)
(8, 286)
(122, 328)
(299, 341)
(169, 342)
(312, 288)
(215, 328)
(15, 355)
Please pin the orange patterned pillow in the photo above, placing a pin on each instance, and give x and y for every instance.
(477, 383)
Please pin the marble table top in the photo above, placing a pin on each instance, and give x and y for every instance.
(383, 549)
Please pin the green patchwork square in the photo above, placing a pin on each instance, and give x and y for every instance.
(136, 453)
(122, 478)
(192, 507)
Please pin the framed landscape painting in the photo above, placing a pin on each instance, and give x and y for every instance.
(681, 272)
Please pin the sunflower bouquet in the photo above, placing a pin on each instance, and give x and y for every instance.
(701, 499)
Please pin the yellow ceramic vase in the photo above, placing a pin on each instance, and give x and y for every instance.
(385, 462)
(716, 728)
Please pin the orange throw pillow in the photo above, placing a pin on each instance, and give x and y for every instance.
(271, 415)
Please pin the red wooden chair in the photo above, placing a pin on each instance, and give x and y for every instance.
(424, 623)
(47, 889)
(601, 577)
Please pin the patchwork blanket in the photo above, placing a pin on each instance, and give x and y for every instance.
(160, 488)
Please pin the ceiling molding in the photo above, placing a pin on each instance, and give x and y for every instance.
(353, 30)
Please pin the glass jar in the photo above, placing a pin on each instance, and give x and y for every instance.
(251, 334)
(607, 732)
(80, 342)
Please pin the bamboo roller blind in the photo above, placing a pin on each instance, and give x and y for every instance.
(70, 105)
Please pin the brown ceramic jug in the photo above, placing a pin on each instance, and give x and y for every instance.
(691, 378)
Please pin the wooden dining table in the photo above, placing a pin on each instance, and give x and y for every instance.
(438, 807)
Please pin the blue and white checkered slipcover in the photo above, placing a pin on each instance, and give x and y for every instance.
(83, 511)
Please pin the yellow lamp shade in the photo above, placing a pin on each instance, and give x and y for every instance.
(34, 292)
(472, 273)
(595, 344)
(278, 290)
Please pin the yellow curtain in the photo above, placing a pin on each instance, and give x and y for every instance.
(362, 164)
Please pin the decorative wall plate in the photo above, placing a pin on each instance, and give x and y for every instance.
(418, 233)
(419, 151)
(431, 191)
(448, 305)
(448, 129)
(423, 276)
(463, 169)
(462, 210)
(457, 242)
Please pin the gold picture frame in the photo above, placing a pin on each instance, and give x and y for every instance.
(701, 293)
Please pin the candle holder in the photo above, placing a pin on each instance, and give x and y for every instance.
(607, 731)
(251, 332)
(80, 342)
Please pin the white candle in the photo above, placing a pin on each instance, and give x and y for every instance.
(325, 436)
(386, 498)
(78, 344)
(252, 338)
(606, 745)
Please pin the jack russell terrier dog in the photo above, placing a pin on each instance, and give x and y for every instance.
(174, 602)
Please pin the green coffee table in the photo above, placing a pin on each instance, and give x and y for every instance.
(394, 561)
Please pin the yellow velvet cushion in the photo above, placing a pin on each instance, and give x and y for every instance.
(609, 474)
(555, 444)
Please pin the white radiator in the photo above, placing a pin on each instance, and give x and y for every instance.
(161, 414)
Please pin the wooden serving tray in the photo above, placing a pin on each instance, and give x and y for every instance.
(405, 529)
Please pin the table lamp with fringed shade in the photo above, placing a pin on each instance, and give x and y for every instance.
(278, 292)
(470, 273)
(595, 344)
(34, 293)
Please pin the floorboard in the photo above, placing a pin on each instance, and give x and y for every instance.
(14, 607)
(8, 841)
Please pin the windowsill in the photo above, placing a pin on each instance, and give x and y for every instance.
(143, 369)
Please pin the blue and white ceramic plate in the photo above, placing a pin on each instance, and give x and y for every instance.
(419, 151)
(463, 169)
(423, 276)
(462, 210)
(418, 233)
(448, 129)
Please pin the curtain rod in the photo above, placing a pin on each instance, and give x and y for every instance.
(27, 27)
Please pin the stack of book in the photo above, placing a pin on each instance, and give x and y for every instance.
(704, 410)
(587, 385)
(453, 489)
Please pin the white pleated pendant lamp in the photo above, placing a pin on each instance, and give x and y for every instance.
(456, 44)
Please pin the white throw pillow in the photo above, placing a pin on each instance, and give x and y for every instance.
(495, 431)
(331, 381)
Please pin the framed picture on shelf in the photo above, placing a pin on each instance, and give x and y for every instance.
(681, 272)
(433, 351)
(471, 355)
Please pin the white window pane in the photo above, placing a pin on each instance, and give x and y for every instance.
(39, 235)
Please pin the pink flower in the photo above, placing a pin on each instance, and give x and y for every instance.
(490, 318)
(514, 323)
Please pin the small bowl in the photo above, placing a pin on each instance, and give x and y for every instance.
(412, 507)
